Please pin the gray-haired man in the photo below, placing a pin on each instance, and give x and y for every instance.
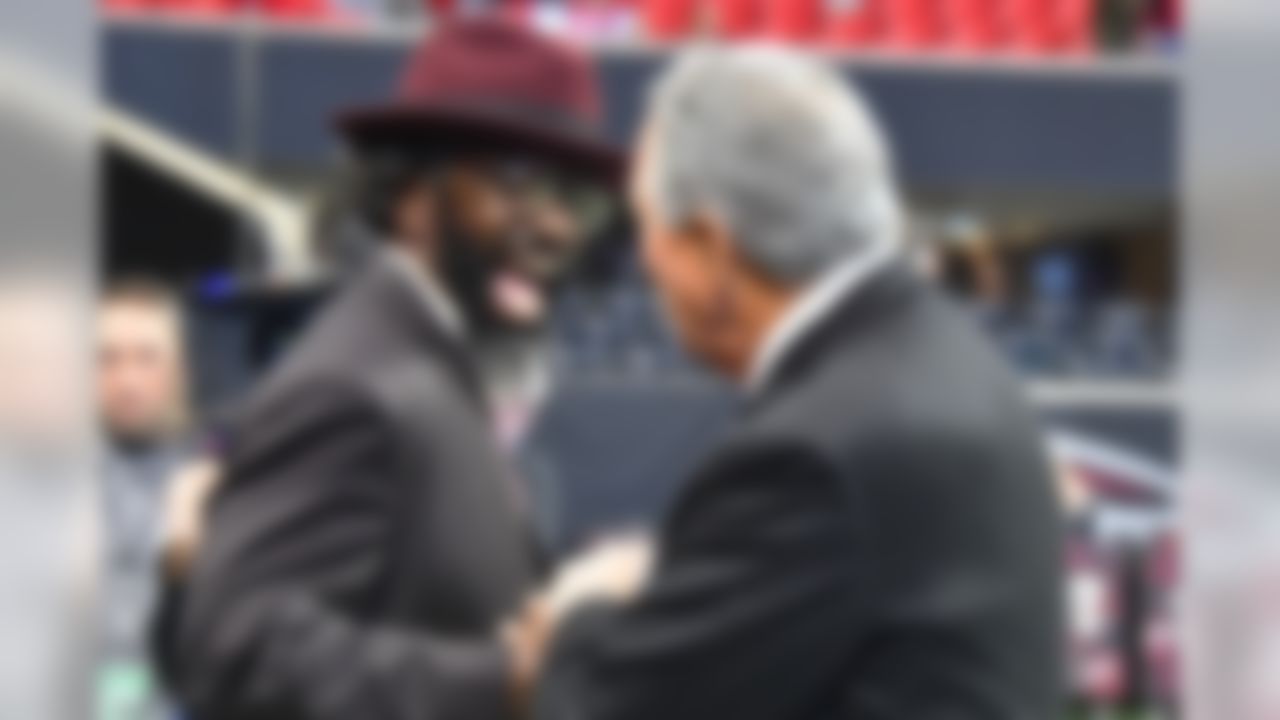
(878, 537)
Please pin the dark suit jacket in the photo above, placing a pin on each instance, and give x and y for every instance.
(367, 541)
(877, 539)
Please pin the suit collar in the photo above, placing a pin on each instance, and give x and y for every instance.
(427, 289)
(424, 312)
(851, 314)
(813, 307)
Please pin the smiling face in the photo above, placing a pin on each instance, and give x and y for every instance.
(504, 235)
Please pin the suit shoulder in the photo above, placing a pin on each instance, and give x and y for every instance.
(766, 459)
(301, 402)
(388, 387)
(753, 469)
(928, 380)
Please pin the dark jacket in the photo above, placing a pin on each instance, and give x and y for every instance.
(367, 541)
(877, 540)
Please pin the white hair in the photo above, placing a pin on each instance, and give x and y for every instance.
(780, 148)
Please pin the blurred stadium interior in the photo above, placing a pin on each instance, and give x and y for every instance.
(1036, 139)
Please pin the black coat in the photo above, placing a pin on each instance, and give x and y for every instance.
(878, 539)
(367, 541)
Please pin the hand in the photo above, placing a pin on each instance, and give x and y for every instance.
(612, 571)
(184, 515)
(526, 637)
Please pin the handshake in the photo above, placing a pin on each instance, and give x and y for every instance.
(612, 572)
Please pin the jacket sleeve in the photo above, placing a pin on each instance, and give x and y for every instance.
(751, 610)
(277, 617)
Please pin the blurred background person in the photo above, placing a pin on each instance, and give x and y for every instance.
(49, 596)
(142, 378)
(878, 536)
(143, 406)
(367, 537)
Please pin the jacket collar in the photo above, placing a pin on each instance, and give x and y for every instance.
(851, 315)
(427, 288)
(424, 310)
(815, 304)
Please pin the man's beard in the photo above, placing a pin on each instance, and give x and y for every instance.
(473, 274)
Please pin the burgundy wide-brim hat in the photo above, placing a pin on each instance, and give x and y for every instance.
(493, 85)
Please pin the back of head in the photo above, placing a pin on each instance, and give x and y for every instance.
(782, 149)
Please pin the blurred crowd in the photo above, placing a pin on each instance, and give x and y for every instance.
(1029, 27)
(1052, 328)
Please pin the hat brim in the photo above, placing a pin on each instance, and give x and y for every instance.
(452, 127)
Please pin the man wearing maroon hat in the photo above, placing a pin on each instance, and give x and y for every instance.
(367, 540)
